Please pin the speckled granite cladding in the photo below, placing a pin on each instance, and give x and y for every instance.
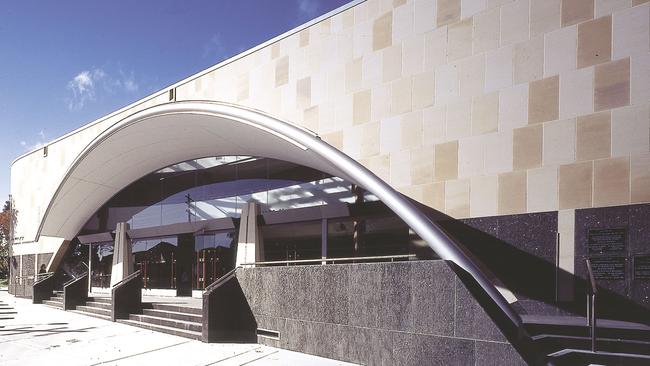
(529, 271)
(400, 313)
(636, 219)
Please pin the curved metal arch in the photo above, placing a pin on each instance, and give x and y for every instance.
(345, 167)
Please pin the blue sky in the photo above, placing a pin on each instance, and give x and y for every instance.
(66, 63)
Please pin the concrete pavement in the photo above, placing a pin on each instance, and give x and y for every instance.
(40, 335)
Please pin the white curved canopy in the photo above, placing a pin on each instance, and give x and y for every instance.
(171, 133)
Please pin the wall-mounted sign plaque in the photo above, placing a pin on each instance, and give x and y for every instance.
(642, 267)
(608, 268)
(606, 241)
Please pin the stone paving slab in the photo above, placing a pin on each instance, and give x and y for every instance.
(39, 335)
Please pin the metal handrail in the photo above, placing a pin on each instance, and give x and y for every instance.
(127, 278)
(591, 305)
(321, 260)
(74, 279)
(216, 282)
(43, 276)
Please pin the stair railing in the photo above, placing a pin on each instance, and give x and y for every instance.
(592, 291)
(75, 292)
(43, 287)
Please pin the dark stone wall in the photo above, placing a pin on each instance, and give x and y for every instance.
(43, 258)
(402, 313)
(28, 270)
(636, 220)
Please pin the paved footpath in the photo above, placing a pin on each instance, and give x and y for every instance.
(40, 335)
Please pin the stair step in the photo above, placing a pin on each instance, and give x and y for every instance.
(94, 310)
(94, 315)
(100, 305)
(553, 343)
(160, 328)
(174, 308)
(179, 324)
(54, 304)
(572, 357)
(173, 315)
(576, 326)
(102, 299)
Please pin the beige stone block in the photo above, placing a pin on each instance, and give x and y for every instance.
(282, 71)
(640, 78)
(575, 182)
(513, 107)
(401, 96)
(576, 92)
(411, 130)
(498, 68)
(512, 193)
(639, 2)
(400, 168)
(457, 198)
(595, 41)
(469, 8)
(303, 93)
(380, 102)
(577, 11)
(275, 50)
(486, 31)
(630, 130)
(593, 136)
(242, 87)
(434, 120)
(448, 12)
(413, 55)
(612, 85)
(422, 165)
(380, 165)
(471, 152)
(361, 107)
(612, 181)
(435, 48)
(390, 135)
(304, 38)
(545, 16)
(640, 178)
(529, 60)
(527, 147)
(559, 142)
(515, 23)
(352, 141)
(402, 22)
(423, 90)
(353, 75)
(543, 99)
(542, 188)
(631, 32)
(483, 198)
(607, 7)
(335, 139)
(369, 139)
(459, 119)
(311, 118)
(382, 32)
(424, 16)
(498, 152)
(433, 195)
(447, 84)
(485, 113)
(560, 50)
(472, 76)
(459, 40)
(446, 161)
(392, 63)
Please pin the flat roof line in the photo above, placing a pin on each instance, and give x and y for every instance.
(201, 73)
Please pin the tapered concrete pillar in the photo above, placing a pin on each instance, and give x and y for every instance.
(122, 258)
(250, 246)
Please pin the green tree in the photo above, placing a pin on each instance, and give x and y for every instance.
(7, 217)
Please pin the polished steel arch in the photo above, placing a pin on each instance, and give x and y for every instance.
(174, 132)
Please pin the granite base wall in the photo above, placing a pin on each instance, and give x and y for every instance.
(401, 313)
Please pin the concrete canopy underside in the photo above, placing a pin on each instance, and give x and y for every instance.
(171, 133)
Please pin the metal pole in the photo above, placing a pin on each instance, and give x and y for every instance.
(323, 239)
(90, 267)
(593, 323)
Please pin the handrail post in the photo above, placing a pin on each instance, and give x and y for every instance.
(593, 323)
(591, 305)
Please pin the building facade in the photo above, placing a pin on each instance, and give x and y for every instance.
(527, 121)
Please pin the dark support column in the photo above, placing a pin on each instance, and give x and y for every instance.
(184, 256)
(323, 235)
(357, 236)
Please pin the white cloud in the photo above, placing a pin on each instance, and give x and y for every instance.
(214, 48)
(40, 142)
(84, 87)
(308, 8)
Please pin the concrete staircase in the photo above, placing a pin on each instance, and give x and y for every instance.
(56, 301)
(566, 341)
(167, 318)
(98, 307)
(6, 312)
